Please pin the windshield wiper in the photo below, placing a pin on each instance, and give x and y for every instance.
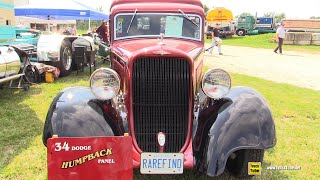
(187, 17)
(135, 12)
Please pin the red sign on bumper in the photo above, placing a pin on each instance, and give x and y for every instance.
(90, 158)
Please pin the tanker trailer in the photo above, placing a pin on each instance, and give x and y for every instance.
(222, 16)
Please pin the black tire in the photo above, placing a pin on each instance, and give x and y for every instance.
(238, 165)
(26, 87)
(241, 32)
(65, 64)
(32, 75)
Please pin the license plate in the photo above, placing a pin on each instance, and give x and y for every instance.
(161, 163)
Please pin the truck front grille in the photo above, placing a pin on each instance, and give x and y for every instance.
(161, 90)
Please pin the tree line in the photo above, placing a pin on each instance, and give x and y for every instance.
(84, 24)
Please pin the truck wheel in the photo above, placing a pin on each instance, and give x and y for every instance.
(32, 75)
(241, 32)
(65, 63)
(237, 163)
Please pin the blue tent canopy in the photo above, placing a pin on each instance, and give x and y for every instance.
(60, 10)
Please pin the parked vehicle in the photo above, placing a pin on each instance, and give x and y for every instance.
(23, 37)
(14, 35)
(155, 91)
(221, 16)
(9, 64)
(15, 65)
(56, 50)
(14, 48)
(248, 25)
(30, 36)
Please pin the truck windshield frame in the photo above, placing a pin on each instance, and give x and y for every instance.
(151, 25)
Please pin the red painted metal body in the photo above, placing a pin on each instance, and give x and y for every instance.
(90, 158)
(125, 52)
(130, 50)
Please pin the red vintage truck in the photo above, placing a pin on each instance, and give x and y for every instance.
(155, 91)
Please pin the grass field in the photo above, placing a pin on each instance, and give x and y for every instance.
(296, 113)
(81, 31)
(265, 41)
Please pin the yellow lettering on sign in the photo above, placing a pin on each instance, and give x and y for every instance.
(88, 157)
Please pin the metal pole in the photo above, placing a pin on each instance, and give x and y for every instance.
(48, 24)
(89, 25)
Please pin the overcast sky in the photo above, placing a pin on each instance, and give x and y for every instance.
(292, 8)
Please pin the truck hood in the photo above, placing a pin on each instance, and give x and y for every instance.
(130, 47)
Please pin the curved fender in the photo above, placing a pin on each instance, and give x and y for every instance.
(76, 112)
(245, 122)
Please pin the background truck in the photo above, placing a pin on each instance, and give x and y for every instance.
(222, 16)
(249, 25)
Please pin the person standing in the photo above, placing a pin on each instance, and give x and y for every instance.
(280, 35)
(68, 31)
(216, 41)
(103, 31)
(74, 30)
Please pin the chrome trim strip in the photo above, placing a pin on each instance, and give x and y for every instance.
(158, 36)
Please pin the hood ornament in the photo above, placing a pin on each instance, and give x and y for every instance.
(161, 39)
(161, 43)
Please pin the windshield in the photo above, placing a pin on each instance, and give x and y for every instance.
(152, 25)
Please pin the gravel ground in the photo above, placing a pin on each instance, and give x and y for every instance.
(296, 68)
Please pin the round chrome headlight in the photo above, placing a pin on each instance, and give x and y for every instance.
(105, 83)
(216, 83)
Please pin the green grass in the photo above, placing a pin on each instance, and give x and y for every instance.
(82, 31)
(265, 41)
(296, 113)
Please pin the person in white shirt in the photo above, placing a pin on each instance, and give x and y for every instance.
(280, 35)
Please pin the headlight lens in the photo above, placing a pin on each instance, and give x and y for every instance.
(105, 83)
(216, 83)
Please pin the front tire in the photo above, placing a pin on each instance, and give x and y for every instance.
(237, 163)
(241, 32)
(65, 63)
